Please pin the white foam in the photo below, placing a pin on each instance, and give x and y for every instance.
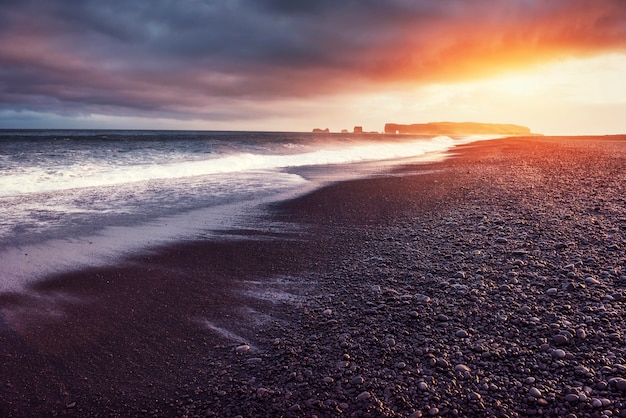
(83, 175)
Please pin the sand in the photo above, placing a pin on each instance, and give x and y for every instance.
(489, 284)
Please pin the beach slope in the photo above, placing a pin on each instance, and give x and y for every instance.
(492, 283)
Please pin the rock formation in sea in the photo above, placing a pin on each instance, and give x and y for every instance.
(321, 131)
(457, 128)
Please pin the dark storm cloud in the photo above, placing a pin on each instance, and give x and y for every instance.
(198, 58)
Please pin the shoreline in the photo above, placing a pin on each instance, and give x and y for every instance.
(393, 285)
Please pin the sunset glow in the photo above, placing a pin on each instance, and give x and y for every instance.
(554, 66)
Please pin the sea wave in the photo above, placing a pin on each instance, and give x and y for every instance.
(84, 174)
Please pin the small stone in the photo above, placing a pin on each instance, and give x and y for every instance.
(422, 386)
(593, 281)
(363, 396)
(390, 342)
(620, 384)
(558, 354)
(414, 314)
(328, 379)
(552, 291)
(244, 348)
(571, 397)
(462, 368)
(596, 403)
(581, 370)
(560, 339)
(442, 363)
(343, 364)
(433, 411)
(442, 318)
(534, 392)
(474, 396)
(422, 298)
(570, 287)
(327, 312)
(461, 333)
(357, 380)
(581, 333)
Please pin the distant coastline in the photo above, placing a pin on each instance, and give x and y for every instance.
(448, 128)
(457, 128)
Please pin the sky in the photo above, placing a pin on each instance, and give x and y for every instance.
(557, 66)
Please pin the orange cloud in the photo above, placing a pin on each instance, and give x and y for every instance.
(496, 37)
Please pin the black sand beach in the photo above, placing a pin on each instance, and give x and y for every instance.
(490, 284)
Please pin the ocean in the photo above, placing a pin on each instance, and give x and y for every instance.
(75, 199)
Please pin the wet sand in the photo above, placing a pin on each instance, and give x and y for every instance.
(492, 283)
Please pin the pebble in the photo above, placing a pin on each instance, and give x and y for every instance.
(620, 384)
(363, 396)
(582, 370)
(342, 364)
(390, 342)
(474, 396)
(422, 298)
(462, 368)
(461, 333)
(244, 348)
(358, 380)
(442, 363)
(517, 322)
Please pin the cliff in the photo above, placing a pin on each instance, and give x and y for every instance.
(457, 128)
